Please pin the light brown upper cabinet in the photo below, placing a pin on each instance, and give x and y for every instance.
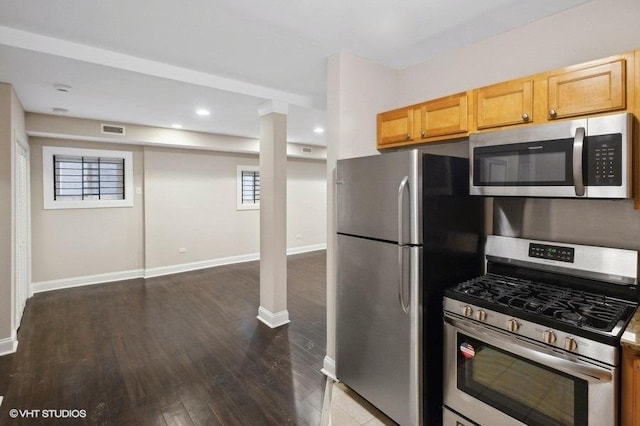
(504, 104)
(444, 116)
(395, 126)
(595, 87)
(590, 90)
(435, 120)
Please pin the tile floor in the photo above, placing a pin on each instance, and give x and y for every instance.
(344, 407)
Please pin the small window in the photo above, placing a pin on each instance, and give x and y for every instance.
(248, 188)
(81, 178)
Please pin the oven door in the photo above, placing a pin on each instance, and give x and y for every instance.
(496, 378)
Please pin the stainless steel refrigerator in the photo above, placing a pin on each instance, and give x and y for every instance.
(407, 228)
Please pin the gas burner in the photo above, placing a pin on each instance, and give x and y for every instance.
(577, 308)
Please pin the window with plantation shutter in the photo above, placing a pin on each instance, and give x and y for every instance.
(87, 178)
(248, 188)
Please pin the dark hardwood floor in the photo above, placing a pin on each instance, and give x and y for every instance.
(177, 350)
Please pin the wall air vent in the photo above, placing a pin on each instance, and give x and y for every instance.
(112, 129)
(307, 150)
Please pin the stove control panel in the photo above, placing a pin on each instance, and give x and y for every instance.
(519, 327)
(551, 252)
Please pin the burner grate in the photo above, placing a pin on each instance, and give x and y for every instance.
(578, 308)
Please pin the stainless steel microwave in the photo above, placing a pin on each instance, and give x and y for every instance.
(584, 158)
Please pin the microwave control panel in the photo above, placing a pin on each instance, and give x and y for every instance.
(604, 160)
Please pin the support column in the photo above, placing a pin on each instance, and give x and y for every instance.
(273, 214)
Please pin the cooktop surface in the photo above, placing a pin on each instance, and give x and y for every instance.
(571, 307)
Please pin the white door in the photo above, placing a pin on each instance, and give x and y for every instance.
(22, 240)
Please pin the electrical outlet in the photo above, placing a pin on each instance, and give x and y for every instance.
(182, 250)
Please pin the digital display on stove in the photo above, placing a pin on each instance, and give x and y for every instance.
(545, 251)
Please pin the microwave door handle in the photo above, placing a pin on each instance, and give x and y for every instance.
(578, 144)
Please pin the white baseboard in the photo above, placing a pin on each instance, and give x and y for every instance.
(329, 367)
(41, 286)
(8, 345)
(271, 319)
(194, 266)
(86, 280)
(305, 249)
(186, 267)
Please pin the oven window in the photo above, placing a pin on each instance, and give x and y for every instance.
(525, 164)
(527, 391)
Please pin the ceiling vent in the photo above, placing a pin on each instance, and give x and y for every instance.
(112, 129)
(307, 150)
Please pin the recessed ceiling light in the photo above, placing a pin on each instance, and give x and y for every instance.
(177, 126)
(318, 130)
(60, 110)
(62, 88)
(203, 112)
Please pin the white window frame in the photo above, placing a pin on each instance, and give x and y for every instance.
(48, 152)
(239, 204)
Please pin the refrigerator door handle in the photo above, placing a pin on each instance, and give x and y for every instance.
(404, 304)
(404, 185)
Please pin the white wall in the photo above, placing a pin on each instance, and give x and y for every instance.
(363, 89)
(11, 126)
(593, 30)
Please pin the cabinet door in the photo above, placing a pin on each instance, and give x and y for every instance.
(504, 104)
(589, 90)
(636, 391)
(395, 126)
(445, 116)
(630, 387)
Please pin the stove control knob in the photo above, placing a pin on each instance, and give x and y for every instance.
(570, 344)
(481, 315)
(513, 325)
(467, 311)
(549, 337)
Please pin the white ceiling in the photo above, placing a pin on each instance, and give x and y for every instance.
(154, 62)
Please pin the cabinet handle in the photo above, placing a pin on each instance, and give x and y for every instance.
(423, 134)
(408, 136)
(525, 117)
(553, 113)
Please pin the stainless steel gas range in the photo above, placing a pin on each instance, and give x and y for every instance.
(536, 339)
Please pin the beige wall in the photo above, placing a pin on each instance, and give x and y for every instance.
(306, 203)
(56, 126)
(69, 243)
(190, 202)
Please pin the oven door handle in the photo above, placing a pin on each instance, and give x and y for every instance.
(539, 354)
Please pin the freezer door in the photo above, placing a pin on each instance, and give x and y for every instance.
(378, 344)
(379, 194)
